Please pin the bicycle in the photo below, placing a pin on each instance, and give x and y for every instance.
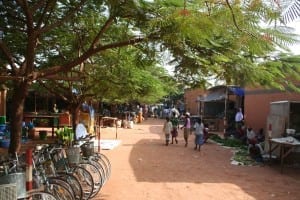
(82, 175)
(13, 176)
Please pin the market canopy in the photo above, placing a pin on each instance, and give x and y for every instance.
(219, 93)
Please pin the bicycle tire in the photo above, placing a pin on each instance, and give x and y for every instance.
(86, 181)
(97, 179)
(101, 170)
(41, 195)
(74, 183)
(104, 161)
(64, 183)
(59, 191)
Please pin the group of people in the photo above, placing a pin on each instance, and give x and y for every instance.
(171, 127)
(253, 139)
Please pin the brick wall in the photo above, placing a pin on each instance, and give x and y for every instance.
(256, 105)
(190, 100)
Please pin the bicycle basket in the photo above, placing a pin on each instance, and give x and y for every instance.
(87, 149)
(8, 191)
(59, 159)
(73, 155)
(16, 178)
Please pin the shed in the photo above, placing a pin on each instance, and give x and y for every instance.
(219, 105)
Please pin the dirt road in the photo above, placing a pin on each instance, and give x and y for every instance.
(143, 168)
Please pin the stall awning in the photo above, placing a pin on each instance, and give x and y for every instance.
(218, 93)
(237, 90)
(214, 96)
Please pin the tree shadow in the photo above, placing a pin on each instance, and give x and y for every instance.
(153, 161)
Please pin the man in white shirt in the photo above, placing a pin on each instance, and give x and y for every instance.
(239, 118)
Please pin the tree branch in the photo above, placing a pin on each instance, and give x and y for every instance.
(85, 56)
(235, 22)
(67, 17)
(101, 31)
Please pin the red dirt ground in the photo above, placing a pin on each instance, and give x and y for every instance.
(143, 168)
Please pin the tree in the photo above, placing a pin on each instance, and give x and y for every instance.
(37, 32)
(291, 9)
(44, 39)
(121, 75)
(127, 75)
(230, 43)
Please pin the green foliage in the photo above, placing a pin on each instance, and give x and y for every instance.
(126, 75)
(65, 135)
(77, 44)
(229, 142)
(241, 154)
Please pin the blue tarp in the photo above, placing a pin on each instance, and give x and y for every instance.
(237, 90)
(219, 93)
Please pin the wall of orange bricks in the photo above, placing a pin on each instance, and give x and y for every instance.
(190, 100)
(257, 105)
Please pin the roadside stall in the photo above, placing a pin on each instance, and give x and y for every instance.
(283, 125)
(217, 108)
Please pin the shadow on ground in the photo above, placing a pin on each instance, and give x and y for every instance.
(175, 163)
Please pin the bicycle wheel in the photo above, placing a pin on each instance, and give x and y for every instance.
(59, 191)
(104, 161)
(85, 179)
(73, 182)
(97, 179)
(101, 170)
(41, 196)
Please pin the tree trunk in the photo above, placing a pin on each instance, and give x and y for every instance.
(74, 109)
(16, 116)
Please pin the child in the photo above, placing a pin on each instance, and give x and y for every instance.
(205, 133)
(175, 123)
(198, 127)
(186, 128)
(167, 130)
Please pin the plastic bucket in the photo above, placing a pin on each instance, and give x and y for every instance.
(4, 143)
(2, 119)
(2, 128)
(43, 135)
(130, 124)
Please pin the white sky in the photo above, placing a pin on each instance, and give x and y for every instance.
(294, 48)
(296, 24)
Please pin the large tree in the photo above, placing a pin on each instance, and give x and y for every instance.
(43, 39)
(36, 32)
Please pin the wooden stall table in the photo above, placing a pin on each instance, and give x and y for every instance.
(51, 118)
(114, 122)
(286, 146)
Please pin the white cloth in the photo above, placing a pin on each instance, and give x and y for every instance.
(80, 131)
(199, 128)
(251, 134)
(167, 127)
(239, 116)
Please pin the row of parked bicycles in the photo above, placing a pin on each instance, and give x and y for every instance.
(59, 173)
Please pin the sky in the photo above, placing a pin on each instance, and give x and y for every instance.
(295, 24)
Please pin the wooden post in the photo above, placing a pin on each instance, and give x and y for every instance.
(29, 169)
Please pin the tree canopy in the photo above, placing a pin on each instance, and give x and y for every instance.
(46, 39)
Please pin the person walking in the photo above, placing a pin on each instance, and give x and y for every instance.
(167, 128)
(186, 128)
(199, 131)
(175, 126)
